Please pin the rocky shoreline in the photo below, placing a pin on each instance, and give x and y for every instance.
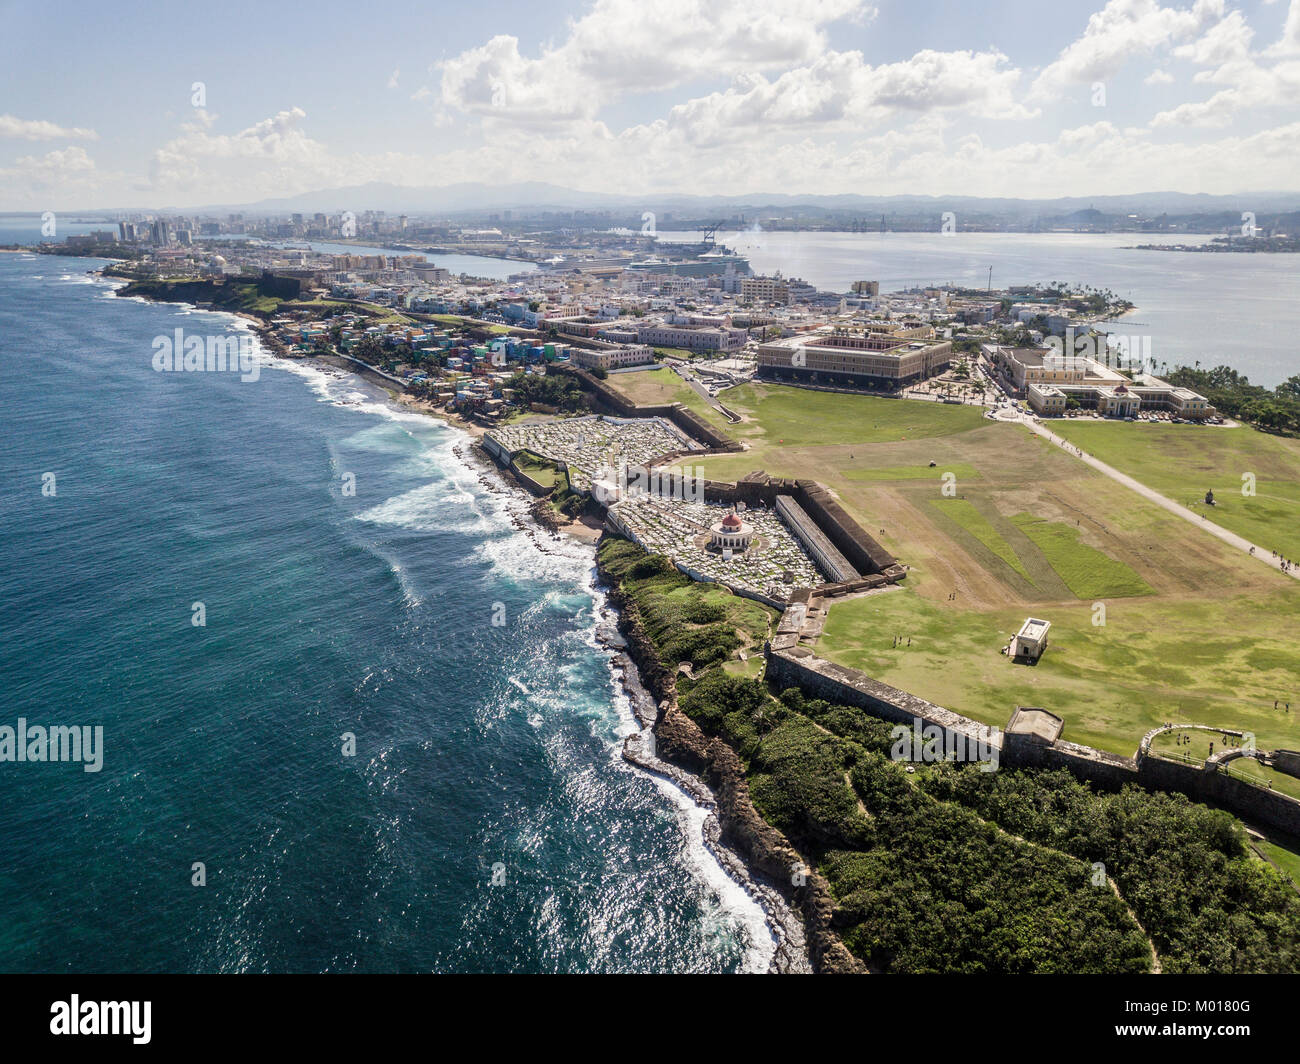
(620, 633)
(751, 852)
(731, 818)
(682, 752)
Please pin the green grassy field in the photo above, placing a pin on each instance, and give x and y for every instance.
(1287, 861)
(652, 387)
(1185, 461)
(1150, 662)
(1193, 629)
(539, 469)
(960, 470)
(792, 417)
(964, 513)
(1087, 572)
(1092, 537)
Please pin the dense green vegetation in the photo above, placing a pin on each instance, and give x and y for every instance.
(921, 885)
(701, 623)
(247, 297)
(111, 250)
(1182, 867)
(954, 869)
(1276, 410)
(558, 390)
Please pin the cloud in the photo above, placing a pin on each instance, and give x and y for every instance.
(1226, 41)
(777, 109)
(841, 92)
(199, 158)
(271, 158)
(1289, 43)
(1122, 30)
(929, 156)
(628, 46)
(44, 180)
(1251, 83)
(35, 129)
(1252, 89)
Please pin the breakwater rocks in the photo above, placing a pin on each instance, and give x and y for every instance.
(768, 865)
(540, 510)
(534, 518)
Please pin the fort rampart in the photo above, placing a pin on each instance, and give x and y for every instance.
(797, 666)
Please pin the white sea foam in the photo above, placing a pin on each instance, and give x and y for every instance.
(697, 856)
(435, 507)
(734, 901)
(454, 501)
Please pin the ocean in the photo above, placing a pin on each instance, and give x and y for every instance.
(1241, 310)
(486, 821)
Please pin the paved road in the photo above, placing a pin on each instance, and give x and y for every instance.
(699, 388)
(1231, 538)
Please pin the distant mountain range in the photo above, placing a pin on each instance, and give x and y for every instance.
(469, 198)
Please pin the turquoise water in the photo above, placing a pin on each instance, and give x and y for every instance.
(477, 747)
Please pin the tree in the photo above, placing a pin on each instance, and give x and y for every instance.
(1290, 387)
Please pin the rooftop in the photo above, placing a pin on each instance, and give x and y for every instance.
(1033, 628)
(1029, 720)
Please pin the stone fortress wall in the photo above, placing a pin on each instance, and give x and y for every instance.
(875, 566)
(684, 418)
(791, 665)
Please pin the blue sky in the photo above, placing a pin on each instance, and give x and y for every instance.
(98, 106)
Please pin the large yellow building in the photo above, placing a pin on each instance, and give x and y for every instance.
(869, 359)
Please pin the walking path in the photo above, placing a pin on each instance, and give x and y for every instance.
(1200, 520)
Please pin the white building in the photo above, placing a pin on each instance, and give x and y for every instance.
(1031, 640)
(612, 357)
(731, 533)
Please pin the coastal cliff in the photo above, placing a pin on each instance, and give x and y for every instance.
(769, 857)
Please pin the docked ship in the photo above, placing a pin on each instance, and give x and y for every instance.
(693, 260)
